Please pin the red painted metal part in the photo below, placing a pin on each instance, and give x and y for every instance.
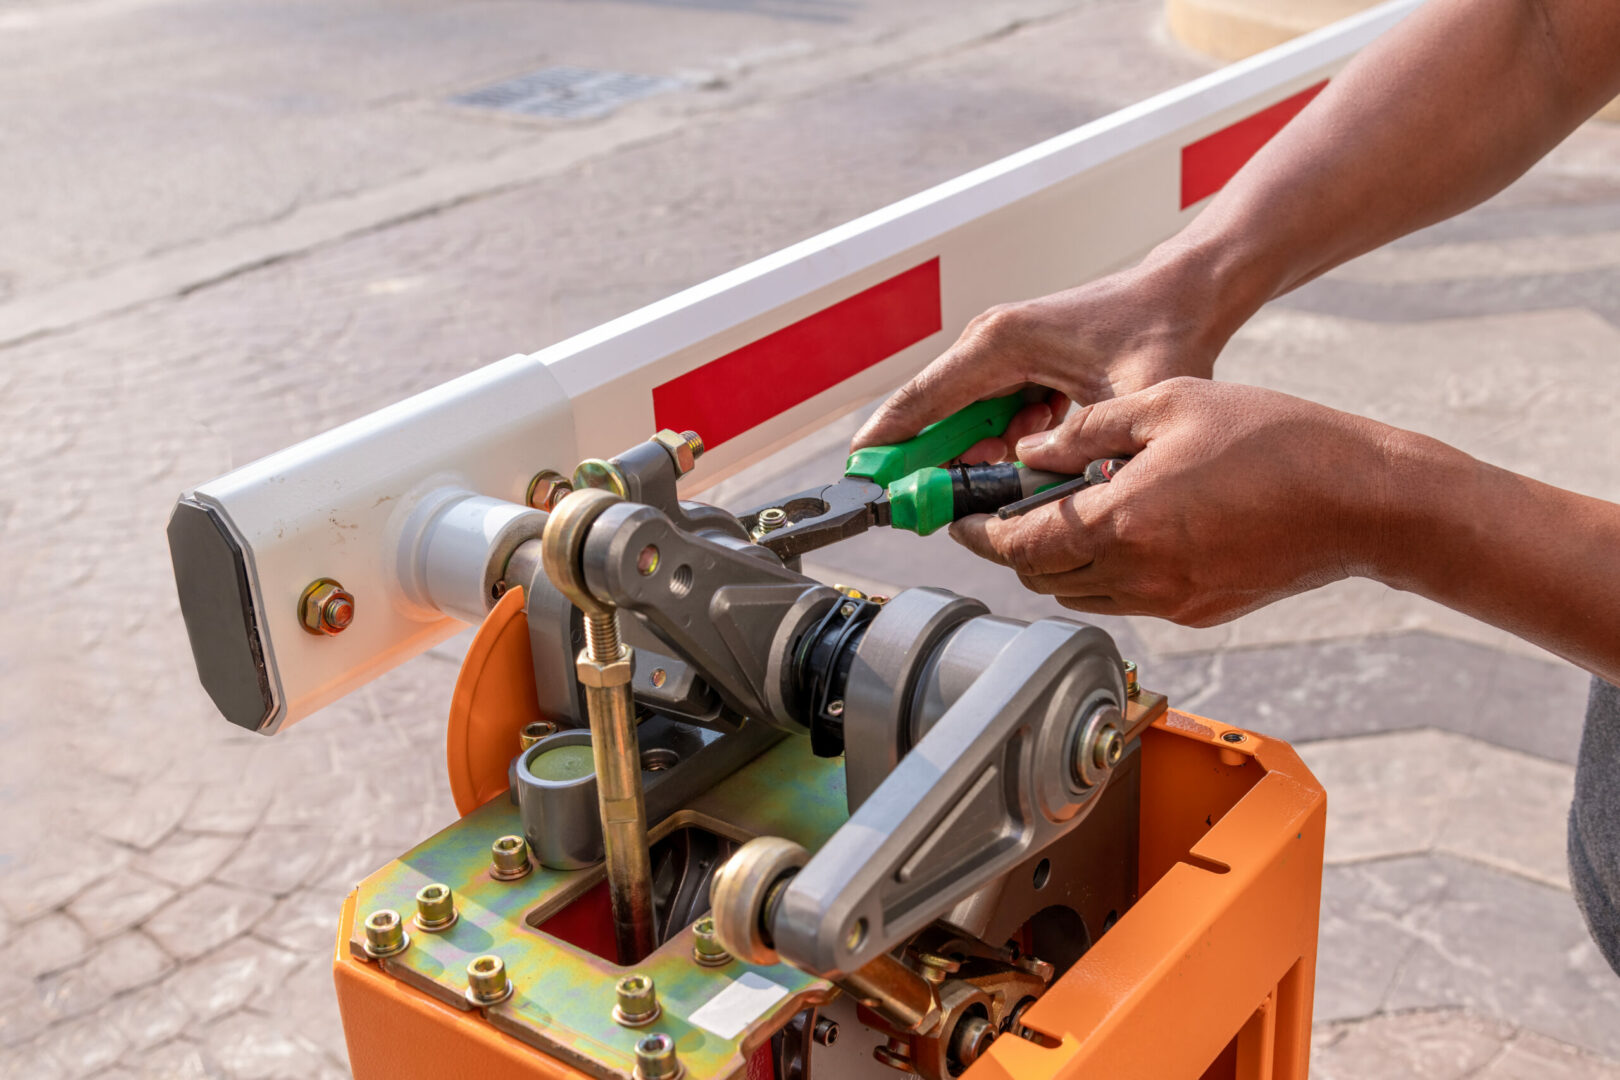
(1209, 163)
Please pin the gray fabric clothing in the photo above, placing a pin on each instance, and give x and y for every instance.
(1594, 821)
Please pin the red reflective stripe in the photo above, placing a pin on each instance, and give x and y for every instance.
(725, 397)
(1209, 163)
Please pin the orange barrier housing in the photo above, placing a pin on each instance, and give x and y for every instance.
(1210, 975)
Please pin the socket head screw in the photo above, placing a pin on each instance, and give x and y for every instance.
(325, 607)
(487, 983)
(656, 1058)
(638, 1001)
(769, 520)
(435, 908)
(385, 934)
(509, 858)
(1108, 748)
(706, 948)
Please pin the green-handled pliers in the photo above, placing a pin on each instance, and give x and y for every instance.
(906, 486)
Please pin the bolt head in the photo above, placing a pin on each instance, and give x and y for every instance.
(325, 607)
(509, 858)
(656, 1058)
(637, 1001)
(680, 450)
(487, 983)
(706, 947)
(435, 908)
(547, 489)
(385, 933)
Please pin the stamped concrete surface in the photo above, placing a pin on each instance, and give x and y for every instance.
(278, 223)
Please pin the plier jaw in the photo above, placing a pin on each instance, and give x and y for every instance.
(820, 516)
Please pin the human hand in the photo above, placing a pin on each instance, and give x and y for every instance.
(1122, 333)
(1235, 497)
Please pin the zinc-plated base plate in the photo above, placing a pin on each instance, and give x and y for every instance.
(563, 996)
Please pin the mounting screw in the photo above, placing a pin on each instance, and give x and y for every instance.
(1108, 748)
(769, 520)
(825, 1032)
(656, 1058)
(1131, 688)
(1233, 736)
(487, 983)
(706, 948)
(509, 858)
(547, 489)
(325, 608)
(435, 908)
(638, 1001)
(385, 934)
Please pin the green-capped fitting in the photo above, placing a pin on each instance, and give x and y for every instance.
(922, 502)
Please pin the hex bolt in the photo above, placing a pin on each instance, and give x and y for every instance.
(534, 732)
(684, 449)
(548, 488)
(325, 607)
(1108, 747)
(385, 934)
(435, 908)
(1131, 688)
(656, 1058)
(638, 1001)
(825, 1032)
(706, 948)
(509, 858)
(487, 983)
(694, 443)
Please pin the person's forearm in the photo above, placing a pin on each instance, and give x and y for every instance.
(1539, 561)
(1441, 113)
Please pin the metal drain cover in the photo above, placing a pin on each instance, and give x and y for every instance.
(570, 93)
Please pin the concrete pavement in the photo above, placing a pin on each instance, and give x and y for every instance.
(281, 224)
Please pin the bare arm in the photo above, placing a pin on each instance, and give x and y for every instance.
(1441, 113)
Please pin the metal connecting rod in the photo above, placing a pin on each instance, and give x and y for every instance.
(604, 668)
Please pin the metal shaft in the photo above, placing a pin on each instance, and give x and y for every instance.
(617, 753)
(900, 995)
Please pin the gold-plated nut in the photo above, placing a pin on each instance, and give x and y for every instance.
(509, 858)
(602, 475)
(656, 1058)
(612, 673)
(1131, 688)
(706, 947)
(325, 607)
(547, 489)
(385, 934)
(487, 983)
(680, 450)
(535, 731)
(637, 1004)
(435, 908)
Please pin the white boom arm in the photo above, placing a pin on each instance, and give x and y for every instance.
(749, 359)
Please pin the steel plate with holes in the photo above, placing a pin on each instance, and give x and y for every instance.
(569, 93)
(564, 995)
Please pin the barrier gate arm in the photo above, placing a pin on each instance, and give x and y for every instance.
(749, 359)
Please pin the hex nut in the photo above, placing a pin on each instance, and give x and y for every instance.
(385, 934)
(487, 983)
(706, 947)
(656, 1058)
(325, 607)
(548, 488)
(509, 858)
(435, 908)
(679, 450)
(594, 673)
(637, 1004)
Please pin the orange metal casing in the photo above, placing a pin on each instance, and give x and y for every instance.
(1210, 974)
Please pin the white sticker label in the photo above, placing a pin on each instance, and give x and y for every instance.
(738, 1005)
